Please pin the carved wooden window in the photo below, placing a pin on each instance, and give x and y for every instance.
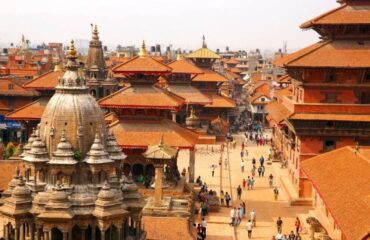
(330, 97)
(367, 77)
(331, 77)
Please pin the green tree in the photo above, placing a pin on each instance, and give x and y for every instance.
(9, 150)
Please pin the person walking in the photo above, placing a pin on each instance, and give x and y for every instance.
(252, 183)
(227, 199)
(239, 192)
(297, 225)
(263, 171)
(242, 164)
(246, 152)
(241, 154)
(244, 207)
(243, 146)
(244, 183)
(259, 171)
(253, 217)
(199, 232)
(204, 227)
(226, 162)
(239, 216)
(222, 197)
(271, 180)
(232, 214)
(254, 162)
(253, 171)
(249, 183)
(262, 160)
(249, 227)
(213, 167)
(276, 193)
(279, 225)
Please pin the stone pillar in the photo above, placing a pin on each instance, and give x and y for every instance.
(16, 233)
(158, 184)
(65, 235)
(119, 233)
(191, 165)
(31, 230)
(173, 113)
(38, 233)
(21, 232)
(6, 236)
(46, 235)
(83, 234)
(93, 233)
(102, 234)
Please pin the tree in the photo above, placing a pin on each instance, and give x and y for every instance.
(9, 150)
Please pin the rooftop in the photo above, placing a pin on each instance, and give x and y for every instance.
(209, 76)
(46, 81)
(32, 111)
(344, 187)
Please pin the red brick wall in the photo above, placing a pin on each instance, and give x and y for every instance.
(167, 228)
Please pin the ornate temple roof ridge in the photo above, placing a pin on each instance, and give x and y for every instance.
(97, 153)
(28, 145)
(72, 78)
(38, 152)
(64, 153)
(114, 151)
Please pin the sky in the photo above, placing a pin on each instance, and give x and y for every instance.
(239, 24)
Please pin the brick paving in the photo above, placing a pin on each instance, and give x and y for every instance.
(260, 199)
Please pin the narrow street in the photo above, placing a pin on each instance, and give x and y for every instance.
(261, 199)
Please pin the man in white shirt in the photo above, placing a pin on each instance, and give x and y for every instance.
(249, 227)
(253, 217)
(232, 215)
(203, 223)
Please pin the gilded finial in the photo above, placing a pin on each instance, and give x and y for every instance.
(161, 142)
(96, 31)
(204, 45)
(72, 53)
(143, 52)
(179, 55)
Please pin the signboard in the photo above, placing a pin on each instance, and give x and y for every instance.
(9, 124)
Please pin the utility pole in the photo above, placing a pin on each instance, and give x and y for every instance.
(220, 164)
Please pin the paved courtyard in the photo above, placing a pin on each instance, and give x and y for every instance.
(261, 199)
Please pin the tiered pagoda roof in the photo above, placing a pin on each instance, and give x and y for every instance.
(141, 133)
(46, 81)
(182, 66)
(219, 101)
(209, 76)
(190, 94)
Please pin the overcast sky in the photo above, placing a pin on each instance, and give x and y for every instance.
(239, 24)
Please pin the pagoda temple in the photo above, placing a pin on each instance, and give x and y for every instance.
(72, 186)
(146, 112)
(329, 105)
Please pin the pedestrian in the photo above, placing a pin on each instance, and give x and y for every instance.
(232, 213)
(249, 183)
(243, 146)
(227, 199)
(222, 197)
(226, 162)
(213, 167)
(291, 236)
(252, 183)
(262, 160)
(199, 232)
(279, 225)
(263, 171)
(253, 171)
(241, 154)
(254, 162)
(244, 183)
(271, 179)
(249, 227)
(239, 192)
(276, 193)
(297, 225)
(244, 208)
(242, 165)
(239, 216)
(204, 228)
(259, 171)
(253, 217)
(204, 208)
(279, 236)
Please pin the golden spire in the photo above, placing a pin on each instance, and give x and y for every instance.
(143, 52)
(179, 55)
(204, 44)
(57, 67)
(96, 31)
(72, 53)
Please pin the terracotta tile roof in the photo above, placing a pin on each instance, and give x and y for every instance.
(331, 53)
(17, 90)
(280, 93)
(140, 133)
(191, 94)
(284, 79)
(46, 81)
(32, 111)
(346, 14)
(232, 61)
(344, 187)
(277, 112)
(230, 75)
(142, 96)
(235, 70)
(203, 53)
(139, 64)
(255, 77)
(331, 117)
(219, 101)
(110, 117)
(184, 66)
(254, 98)
(23, 72)
(8, 168)
(209, 76)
